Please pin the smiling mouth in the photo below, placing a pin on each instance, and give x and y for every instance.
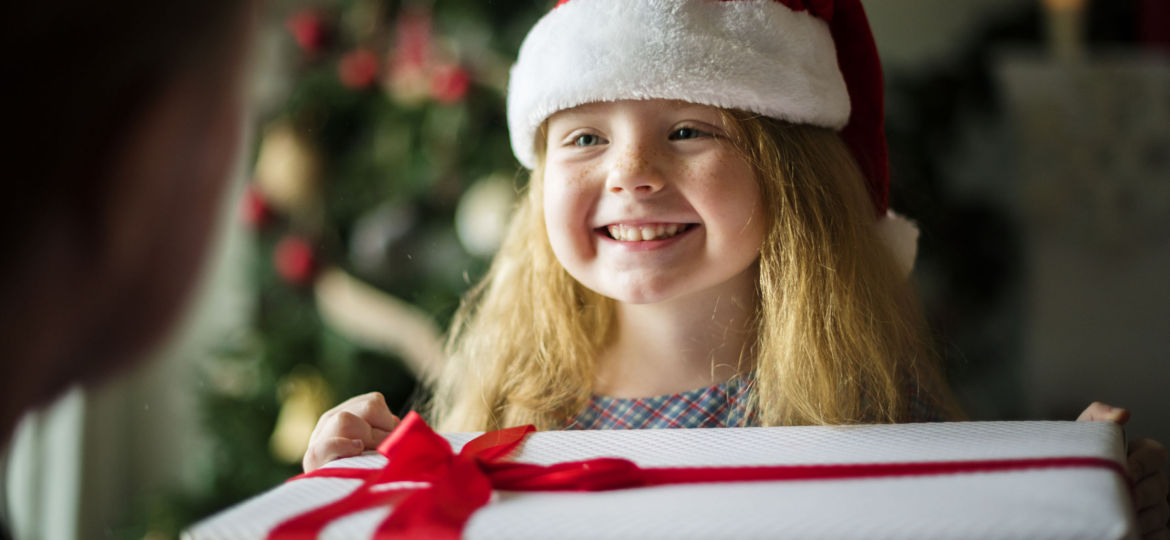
(643, 233)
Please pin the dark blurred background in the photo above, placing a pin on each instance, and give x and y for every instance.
(1030, 140)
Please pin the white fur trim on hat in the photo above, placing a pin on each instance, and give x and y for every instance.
(755, 55)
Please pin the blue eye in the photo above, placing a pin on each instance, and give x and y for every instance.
(587, 139)
(686, 133)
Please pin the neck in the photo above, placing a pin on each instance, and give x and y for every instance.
(681, 344)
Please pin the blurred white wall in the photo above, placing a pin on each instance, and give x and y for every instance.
(918, 34)
(1092, 141)
(143, 433)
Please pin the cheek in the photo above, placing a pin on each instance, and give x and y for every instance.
(756, 228)
(563, 218)
(554, 210)
(756, 223)
(735, 202)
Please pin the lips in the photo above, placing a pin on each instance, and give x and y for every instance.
(644, 232)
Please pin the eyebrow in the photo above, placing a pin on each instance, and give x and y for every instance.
(587, 109)
(688, 106)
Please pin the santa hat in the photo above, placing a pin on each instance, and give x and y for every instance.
(804, 61)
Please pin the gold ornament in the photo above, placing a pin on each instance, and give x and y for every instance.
(288, 169)
(305, 396)
(408, 84)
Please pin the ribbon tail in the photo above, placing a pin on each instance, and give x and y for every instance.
(441, 511)
(336, 472)
(599, 474)
(309, 525)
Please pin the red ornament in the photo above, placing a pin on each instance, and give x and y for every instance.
(254, 209)
(308, 29)
(294, 260)
(449, 83)
(413, 40)
(358, 68)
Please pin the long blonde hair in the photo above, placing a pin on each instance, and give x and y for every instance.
(840, 335)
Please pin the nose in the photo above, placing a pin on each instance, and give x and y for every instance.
(634, 172)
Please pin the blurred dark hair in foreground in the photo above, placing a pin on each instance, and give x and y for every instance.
(121, 128)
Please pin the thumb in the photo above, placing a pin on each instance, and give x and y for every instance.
(377, 436)
(1102, 412)
(374, 437)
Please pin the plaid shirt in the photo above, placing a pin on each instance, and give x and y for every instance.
(721, 405)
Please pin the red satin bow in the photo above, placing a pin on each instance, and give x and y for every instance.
(441, 489)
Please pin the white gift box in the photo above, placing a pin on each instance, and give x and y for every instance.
(1057, 502)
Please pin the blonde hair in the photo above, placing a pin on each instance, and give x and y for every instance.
(840, 335)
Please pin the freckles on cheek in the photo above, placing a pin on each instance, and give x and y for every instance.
(734, 192)
(708, 182)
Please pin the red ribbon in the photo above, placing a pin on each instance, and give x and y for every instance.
(447, 488)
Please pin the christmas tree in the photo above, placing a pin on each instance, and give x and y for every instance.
(380, 188)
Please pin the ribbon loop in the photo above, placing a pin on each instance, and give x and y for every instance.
(494, 445)
(416, 450)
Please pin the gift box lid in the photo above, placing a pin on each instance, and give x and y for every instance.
(1035, 502)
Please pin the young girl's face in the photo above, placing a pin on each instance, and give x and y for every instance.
(646, 201)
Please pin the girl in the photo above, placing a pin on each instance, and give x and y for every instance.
(693, 219)
(706, 223)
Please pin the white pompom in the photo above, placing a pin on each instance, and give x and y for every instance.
(901, 236)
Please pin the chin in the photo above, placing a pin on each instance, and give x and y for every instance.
(636, 298)
(633, 293)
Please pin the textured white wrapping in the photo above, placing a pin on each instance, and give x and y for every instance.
(1055, 503)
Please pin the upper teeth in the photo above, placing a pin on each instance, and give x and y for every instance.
(631, 233)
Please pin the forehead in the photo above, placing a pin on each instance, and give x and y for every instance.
(645, 107)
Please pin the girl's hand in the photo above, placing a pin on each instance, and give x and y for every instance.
(358, 424)
(1147, 471)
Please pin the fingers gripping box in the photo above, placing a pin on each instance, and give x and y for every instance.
(945, 480)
